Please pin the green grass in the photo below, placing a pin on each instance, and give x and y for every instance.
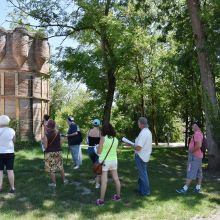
(34, 200)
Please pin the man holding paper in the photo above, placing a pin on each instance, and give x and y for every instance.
(143, 149)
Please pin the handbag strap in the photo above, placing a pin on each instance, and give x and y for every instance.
(108, 151)
(53, 139)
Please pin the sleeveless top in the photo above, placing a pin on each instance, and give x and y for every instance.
(113, 152)
(55, 146)
(93, 141)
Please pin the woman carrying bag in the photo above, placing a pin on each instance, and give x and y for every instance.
(93, 140)
(53, 153)
(108, 158)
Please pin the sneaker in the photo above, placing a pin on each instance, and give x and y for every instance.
(52, 185)
(196, 190)
(181, 191)
(97, 185)
(76, 167)
(116, 198)
(99, 202)
(65, 182)
(12, 190)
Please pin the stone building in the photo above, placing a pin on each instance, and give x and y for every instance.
(24, 85)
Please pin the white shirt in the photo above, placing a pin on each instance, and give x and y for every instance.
(6, 140)
(144, 140)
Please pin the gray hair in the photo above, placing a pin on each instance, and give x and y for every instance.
(4, 120)
(143, 121)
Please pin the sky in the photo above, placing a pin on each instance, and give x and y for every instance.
(6, 8)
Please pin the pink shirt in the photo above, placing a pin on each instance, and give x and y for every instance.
(197, 137)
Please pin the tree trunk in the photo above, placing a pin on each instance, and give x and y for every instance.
(154, 121)
(110, 68)
(186, 129)
(209, 94)
(109, 97)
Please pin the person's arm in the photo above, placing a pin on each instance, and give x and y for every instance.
(45, 142)
(140, 142)
(197, 145)
(197, 139)
(73, 131)
(14, 139)
(99, 150)
(73, 134)
(137, 148)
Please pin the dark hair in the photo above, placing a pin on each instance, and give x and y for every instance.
(51, 124)
(108, 130)
(198, 123)
(46, 117)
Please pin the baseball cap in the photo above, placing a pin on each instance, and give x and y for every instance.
(96, 122)
(70, 118)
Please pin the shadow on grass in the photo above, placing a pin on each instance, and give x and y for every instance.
(166, 171)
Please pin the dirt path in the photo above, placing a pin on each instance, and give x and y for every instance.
(214, 216)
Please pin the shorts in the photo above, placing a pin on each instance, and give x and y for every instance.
(110, 165)
(194, 167)
(7, 160)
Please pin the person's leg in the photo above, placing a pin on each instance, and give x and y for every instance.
(91, 154)
(104, 180)
(191, 174)
(1, 179)
(53, 177)
(72, 153)
(116, 180)
(143, 182)
(80, 155)
(11, 178)
(199, 177)
(97, 181)
(1, 171)
(62, 173)
(76, 154)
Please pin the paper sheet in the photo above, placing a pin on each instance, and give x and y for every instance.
(125, 140)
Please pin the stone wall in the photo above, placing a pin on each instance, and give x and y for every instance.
(24, 85)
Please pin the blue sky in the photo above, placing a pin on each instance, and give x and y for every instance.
(6, 8)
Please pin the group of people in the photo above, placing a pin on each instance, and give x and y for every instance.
(102, 148)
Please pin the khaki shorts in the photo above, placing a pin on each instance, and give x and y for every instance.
(110, 165)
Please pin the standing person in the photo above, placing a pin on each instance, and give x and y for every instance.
(195, 155)
(166, 130)
(74, 140)
(7, 139)
(44, 124)
(108, 142)
(143, 149)
(53, 153)
(93, 139)
(45, 120)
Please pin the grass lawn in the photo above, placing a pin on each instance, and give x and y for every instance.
(35, 200)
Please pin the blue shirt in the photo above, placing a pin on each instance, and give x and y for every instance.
(72, 128)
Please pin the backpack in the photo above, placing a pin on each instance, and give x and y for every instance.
(204, 146)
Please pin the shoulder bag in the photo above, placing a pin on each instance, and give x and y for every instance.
(97, 167)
